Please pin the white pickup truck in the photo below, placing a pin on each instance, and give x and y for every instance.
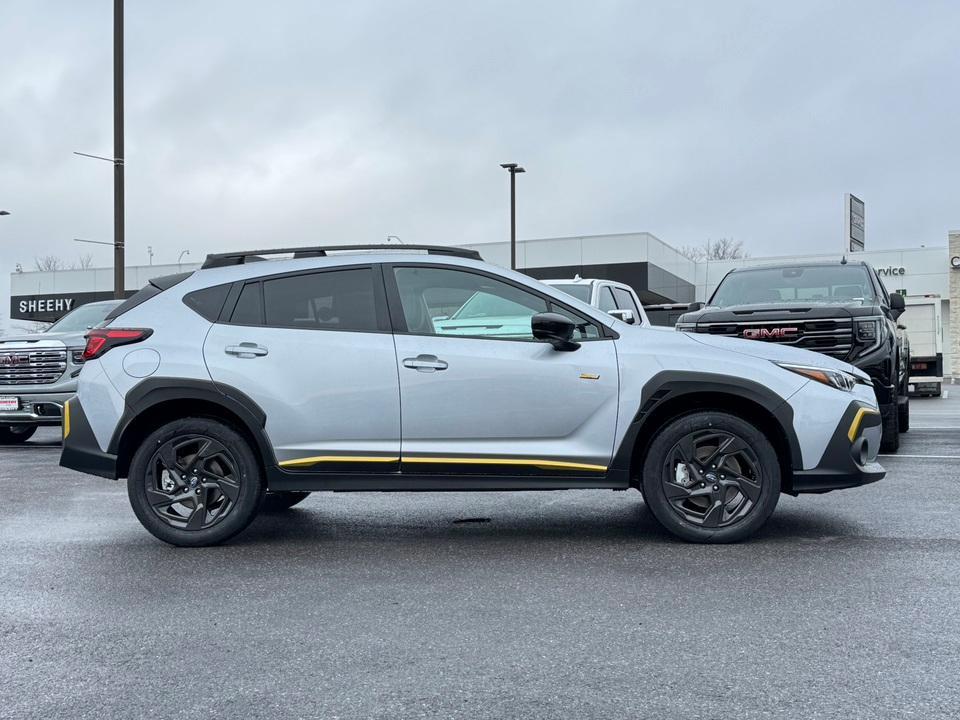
(614, 298)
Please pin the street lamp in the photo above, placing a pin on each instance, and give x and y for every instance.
(394, 237)
(117, 159)
(513, 169)
(182, 253)
(4, 212)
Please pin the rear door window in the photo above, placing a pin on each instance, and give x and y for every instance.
(625, 302)
(331, 300)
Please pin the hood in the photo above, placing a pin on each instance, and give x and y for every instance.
(70, 339)
(781, 311)
(776, 353)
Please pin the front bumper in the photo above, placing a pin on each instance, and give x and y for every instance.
(850, 459)
(36, 408)
(80, 449)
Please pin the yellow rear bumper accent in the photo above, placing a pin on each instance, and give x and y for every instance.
(66, 419)
(307, 461)
(857, 419)
(526, 462)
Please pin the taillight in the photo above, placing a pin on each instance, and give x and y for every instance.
(102, 339)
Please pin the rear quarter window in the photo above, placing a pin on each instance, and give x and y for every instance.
(207, 302)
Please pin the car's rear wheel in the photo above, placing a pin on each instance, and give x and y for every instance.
(278, 501)
(711, 477)
(16, 434)
(195, 482)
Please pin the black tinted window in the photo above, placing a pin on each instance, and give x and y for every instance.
(207, 302)
(333, 300)
(247, 309)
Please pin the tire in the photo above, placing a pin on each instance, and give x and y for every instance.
(890, 440)
(16, 434)
(903, 416)
(698, 505)
(280, 501)
(216, 479)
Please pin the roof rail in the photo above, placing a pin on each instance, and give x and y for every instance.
(239, 258)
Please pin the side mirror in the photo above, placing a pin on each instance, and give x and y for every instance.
(897, 305)
(694, 306)
(555, 329)
(626, 315)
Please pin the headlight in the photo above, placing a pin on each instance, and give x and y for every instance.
(834, 378)
(686, 327)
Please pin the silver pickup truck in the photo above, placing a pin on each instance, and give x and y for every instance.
(38, 371)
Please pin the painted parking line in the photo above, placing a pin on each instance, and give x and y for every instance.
(928, 457)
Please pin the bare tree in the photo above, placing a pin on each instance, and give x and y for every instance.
(722, 249)
(47, 263)
(85, 261)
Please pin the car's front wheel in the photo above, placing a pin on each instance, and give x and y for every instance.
(16, 434)
(711, 477)
(195, 482)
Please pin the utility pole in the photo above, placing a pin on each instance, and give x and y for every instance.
(513, 169)
(118, 214)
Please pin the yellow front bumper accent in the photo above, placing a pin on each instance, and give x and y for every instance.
(66, 419)
(857, 419)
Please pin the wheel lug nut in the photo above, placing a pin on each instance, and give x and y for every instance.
(703, 484)
(716, 487)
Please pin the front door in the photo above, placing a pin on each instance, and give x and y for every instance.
(315, 352)
(480, 394)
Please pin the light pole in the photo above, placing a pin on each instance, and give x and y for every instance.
(4, 212)
(513, 169)
(394, 237)
(182, 253)
(118, 215)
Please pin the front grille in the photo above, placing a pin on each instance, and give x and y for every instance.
(830, 336)
(31, 367)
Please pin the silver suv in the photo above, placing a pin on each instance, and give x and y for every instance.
(247, 384)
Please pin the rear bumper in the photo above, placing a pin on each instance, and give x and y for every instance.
(850, 459)
(80, 449)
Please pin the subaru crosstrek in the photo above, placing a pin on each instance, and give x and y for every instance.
(246, 384)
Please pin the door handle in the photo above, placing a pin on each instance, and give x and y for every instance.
(246, 350)
(425, 363)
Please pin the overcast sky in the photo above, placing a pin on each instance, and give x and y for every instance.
(298, 121)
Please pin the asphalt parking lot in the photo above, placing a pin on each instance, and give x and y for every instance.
(561, 605)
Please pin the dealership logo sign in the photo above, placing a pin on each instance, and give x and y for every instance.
(955, 262)
(777, 333)
(891, 270)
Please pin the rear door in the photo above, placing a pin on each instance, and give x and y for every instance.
(314, 350)
(479, 394)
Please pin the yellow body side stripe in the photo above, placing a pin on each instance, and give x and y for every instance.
(304, 462)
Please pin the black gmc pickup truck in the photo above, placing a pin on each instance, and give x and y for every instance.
(840, 309)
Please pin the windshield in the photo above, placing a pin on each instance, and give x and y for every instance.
(82, 318)
(814, 284)
(580, 292)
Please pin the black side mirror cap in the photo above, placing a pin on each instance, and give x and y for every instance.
(897, 305)
(694, 306)
(555, 329)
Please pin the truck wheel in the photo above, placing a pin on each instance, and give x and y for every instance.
(16, 434)
(903, 416)
(195, 482)
(279, 501)
(890, 440)
(711, 477)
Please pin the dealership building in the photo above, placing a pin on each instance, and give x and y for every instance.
(657, 271)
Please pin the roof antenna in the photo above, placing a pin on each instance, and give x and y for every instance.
(843, 260)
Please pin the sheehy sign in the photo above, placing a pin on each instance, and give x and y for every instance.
(854, 224)
(49, 308)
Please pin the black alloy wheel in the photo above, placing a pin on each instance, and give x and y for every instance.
(192, 482)
(711, 477)
(195, 482)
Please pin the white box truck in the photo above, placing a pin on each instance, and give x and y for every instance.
(924, 324)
